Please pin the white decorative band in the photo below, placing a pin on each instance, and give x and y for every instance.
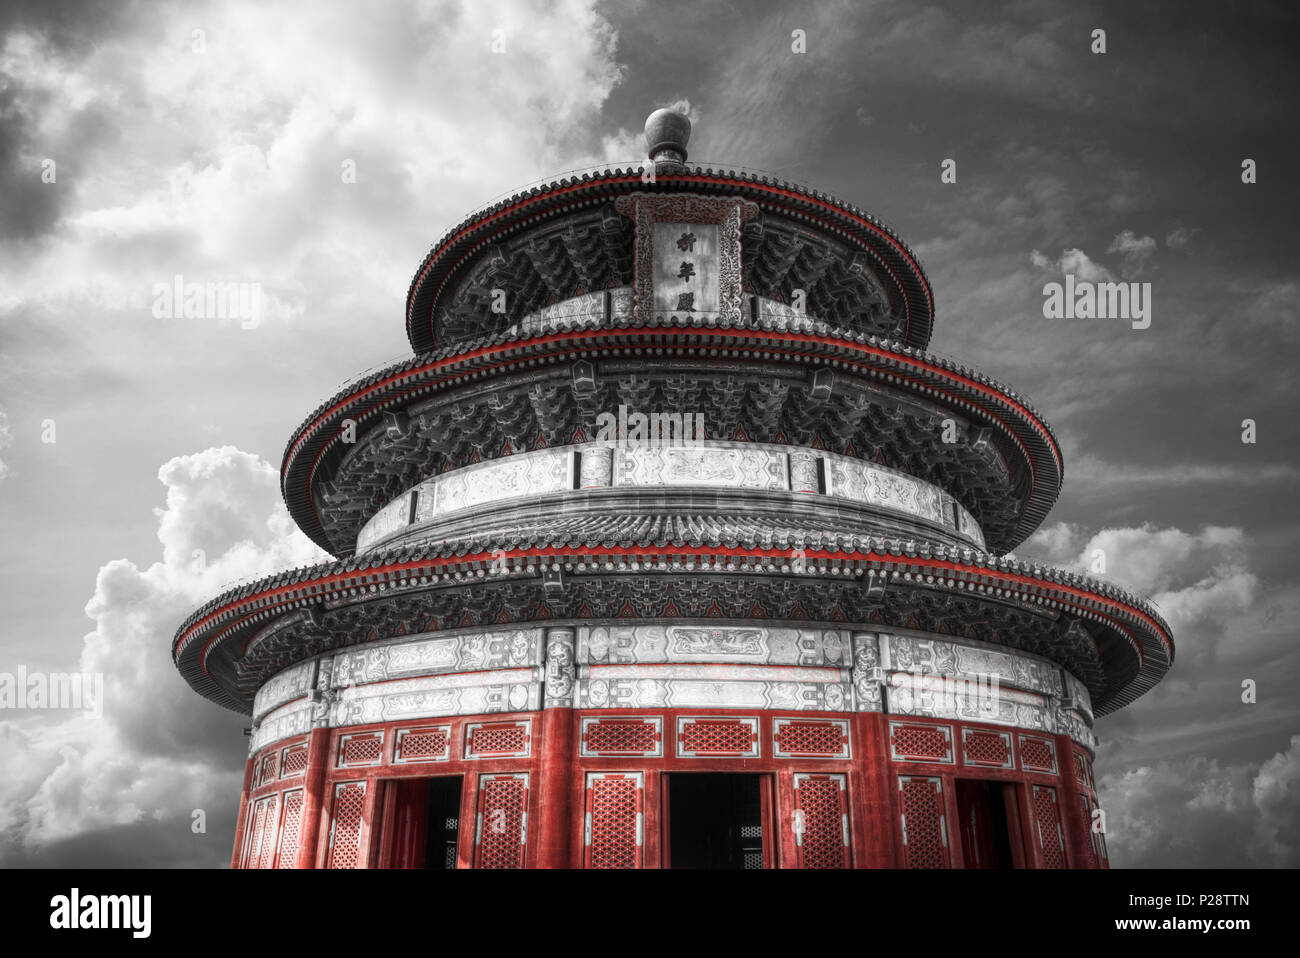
(667, 464)
(675, 664)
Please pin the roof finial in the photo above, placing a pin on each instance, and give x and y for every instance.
(666, 134)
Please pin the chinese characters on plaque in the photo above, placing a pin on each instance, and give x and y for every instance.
(686, 279)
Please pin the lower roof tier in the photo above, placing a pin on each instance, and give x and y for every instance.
(1116, 644)
(890, 405)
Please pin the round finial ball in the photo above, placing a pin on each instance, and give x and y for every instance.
(667, 130)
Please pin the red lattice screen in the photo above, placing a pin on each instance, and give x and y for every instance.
(1051, 845)
(621, 736)
(821, 829)
(1037, 754)
(256, 822)
(502, 805)
(717, 736)
(267, 857)
(986, 748)
(1098, 839)
(1092, 843)
(925, 832)
(1081, 770)
(362, 749)
(613, 829)
(501, 739)
(422, 744)
(345, 831)
(922, 742)
(266, 768)
(294, 761)
(259, 821)
(290, 830)
(812, 738)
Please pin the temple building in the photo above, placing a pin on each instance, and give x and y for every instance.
(671, 546)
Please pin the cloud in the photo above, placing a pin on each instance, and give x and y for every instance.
(1197, 810)
(6, 440)
(1170, 802)
(265, 201)
(1074, 261)
(158, 751)
(1180, 237)
(1134, 252)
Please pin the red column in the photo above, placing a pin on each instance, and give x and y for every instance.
(1076, 825)
(313, 797)
(241, 822)
(555, 787)
(873, 816)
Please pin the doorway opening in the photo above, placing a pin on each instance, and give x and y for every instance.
(423, 816)
(988, 816)
(717, 820)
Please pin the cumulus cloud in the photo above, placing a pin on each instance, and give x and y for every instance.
(1133, 250)
(1196, 810)
(1074, 261)
(1186, 807)
(157, 752)
(268, 195)
(1180, 237)
(1144, 558)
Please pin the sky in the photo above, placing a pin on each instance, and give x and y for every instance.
(139, 455)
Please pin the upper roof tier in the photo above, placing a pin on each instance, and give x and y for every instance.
(574, 236)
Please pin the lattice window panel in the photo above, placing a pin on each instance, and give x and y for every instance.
(251, 825)
(1037, 754)
(717, 737)
(346, 825)
(293, 761)
(498, 740)
(821, 821)
(925, 826)
(1051, 842)
(502, 827)
(803, 738)
(428, 744)
(987, 749)
(1082, 770)
(622, 736)
(1087, 823)
(286, 855)
(910, 742)
(261, 833)
(272, 834)
(1098, 840)
(614, 826)
(361, 748)
(265, 770)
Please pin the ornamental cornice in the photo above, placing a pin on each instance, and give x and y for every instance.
(517, 581)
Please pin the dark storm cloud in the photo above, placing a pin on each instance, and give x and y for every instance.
(169, 842)
(71, 26)
(30, 206)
